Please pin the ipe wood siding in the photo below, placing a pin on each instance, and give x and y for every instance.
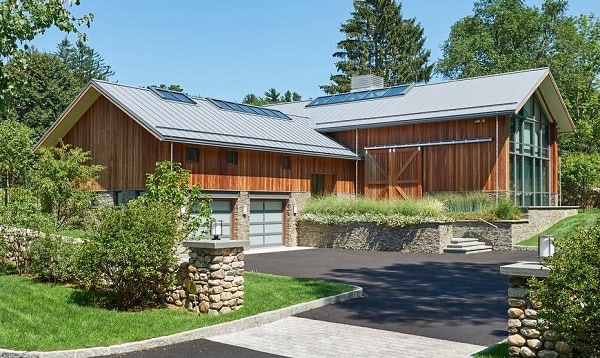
(129, 151)
(454, 167)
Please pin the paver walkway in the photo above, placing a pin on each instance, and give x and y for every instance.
(301, 337)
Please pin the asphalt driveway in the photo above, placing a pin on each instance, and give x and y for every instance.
(460, 298)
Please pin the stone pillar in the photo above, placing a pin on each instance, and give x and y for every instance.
(242, 222)
(298, 199)
(528, 336)
(212, 281)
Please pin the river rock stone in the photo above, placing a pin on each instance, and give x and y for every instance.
(530, 323)
(544, 353)
(514, 322)
(516, 340)
(515, 313)
(530, 332)
(526, 352)
(531, 313)
(534, 344)
(517, 292)
(562, 347)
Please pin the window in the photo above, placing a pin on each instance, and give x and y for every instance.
(192, 154)
(172, 95)
(286, 162)
(530, 156)
(232, 157)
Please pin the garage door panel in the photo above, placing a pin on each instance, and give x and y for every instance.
(256, 240)
(273, 217)
(273, 206)
(273, 228)
(273, 239)
(266, 222)
(257, 229)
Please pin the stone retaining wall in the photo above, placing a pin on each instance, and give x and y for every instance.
(427, 238)
(212, 280)
(499, 239)
(540, 219)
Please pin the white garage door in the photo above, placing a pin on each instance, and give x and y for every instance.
(266, 222)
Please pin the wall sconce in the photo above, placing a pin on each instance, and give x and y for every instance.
(244, 209)
(216, 229)
(480, 121)
(295, 209)
(545, 246)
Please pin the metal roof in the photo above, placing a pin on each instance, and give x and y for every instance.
(502, 94)
(205, 123)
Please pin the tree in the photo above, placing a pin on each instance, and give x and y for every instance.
(253, 99)
(61, 179)
(380, 41)
(272, 96)
(289, 96)
(15, 153)
(22, 20)
(580, 173)
(85, 62)
(44, 89)
(175, 88)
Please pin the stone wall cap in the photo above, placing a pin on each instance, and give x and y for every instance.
(217, 244)
(551, 207)
(528, 269)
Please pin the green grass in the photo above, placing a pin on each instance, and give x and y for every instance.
(43, 317)
(569, 226)
(496, 351)
(76, 233)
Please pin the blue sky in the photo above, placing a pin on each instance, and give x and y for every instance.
(226, 49)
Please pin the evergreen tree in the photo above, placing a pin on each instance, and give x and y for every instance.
(272, 96)
(172, 87)
(380, 41)
(85, 62)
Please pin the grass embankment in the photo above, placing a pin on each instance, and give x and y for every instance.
(44, 317)
(584, 219)
(496, 351)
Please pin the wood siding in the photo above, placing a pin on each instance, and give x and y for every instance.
(129, 151)
(456, 167)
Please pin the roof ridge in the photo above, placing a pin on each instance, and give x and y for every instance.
(482, 76)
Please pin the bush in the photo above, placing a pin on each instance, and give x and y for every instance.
(465, 203)
(130, 252)
(506, 210)
(580, 173)
(570, 295)
(53, 258)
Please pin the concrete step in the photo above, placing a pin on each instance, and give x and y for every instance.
(469, 249)
(458, 240)
(464, 244)
(488, 249)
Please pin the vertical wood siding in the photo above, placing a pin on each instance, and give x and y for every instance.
(128, 151)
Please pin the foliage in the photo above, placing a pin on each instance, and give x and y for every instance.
(22, 20)
(15, 153)
(53, 259)
(499, 350)
(44, 88)
(381, 42)
(507, 35)
(271, 96)
(168, 185)
(507, 210)
(580, 175)
(61, 179)
(465, 203)
(333, 210)
(41, 306)
(129, 251)
(570, 296)
(84, 62)
(172, 87)
(584, 219)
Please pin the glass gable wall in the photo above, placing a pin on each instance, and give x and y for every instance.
(530, 156)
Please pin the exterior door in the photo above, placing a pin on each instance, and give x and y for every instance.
(266, 222)
(393, 173)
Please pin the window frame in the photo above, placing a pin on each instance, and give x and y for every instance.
(232, 157)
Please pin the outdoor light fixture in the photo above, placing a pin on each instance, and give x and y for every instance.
(545, 246)
(295, 209)
(244, 209)
(216, 229)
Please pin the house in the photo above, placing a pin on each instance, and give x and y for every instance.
(494, 133)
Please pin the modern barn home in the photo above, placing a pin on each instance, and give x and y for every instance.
(495, 134)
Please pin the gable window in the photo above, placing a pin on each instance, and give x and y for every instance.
(530, 156)
(232, 157)
(192, 154)
(286, 162)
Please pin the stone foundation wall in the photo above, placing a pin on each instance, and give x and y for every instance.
(500, 239)
(540, 219)
(426, 238)
(212, 280)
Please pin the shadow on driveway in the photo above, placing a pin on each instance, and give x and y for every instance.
(455, 297)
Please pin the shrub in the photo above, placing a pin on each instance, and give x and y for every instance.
(465, 203)
(580, 174)
(53, 258)
(570, 295)
(130, 252)
(506, 210)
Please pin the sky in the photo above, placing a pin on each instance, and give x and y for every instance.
(227, 49)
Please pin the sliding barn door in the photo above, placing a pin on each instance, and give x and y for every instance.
(393, 173)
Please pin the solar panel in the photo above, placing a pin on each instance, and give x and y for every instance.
(172, 95)
(239, 107)
(359, 96)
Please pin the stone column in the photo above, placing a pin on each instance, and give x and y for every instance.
(299, 199)
(242, 222)
(528, 336)
(213, 280)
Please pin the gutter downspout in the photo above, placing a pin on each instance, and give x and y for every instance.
(356, 163)
(497, 164)
(171, 157)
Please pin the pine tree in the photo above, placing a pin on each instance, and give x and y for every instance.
(380, 41)
(84, 61)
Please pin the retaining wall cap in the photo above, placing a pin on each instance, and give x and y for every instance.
(217, 244)
(526, 269)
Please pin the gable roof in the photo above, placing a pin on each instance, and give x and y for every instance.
(201, 122)
(502, 94)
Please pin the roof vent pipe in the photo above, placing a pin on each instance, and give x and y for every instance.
(365, 82)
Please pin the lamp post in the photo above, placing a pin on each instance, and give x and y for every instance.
(545, 246)
(216, 229)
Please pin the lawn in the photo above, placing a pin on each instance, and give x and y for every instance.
(583, 220)
(44, 317)
(496, 351)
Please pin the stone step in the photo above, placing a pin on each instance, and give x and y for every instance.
(458, 240)
(469, 249)
(487, 249)
(464, 244)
